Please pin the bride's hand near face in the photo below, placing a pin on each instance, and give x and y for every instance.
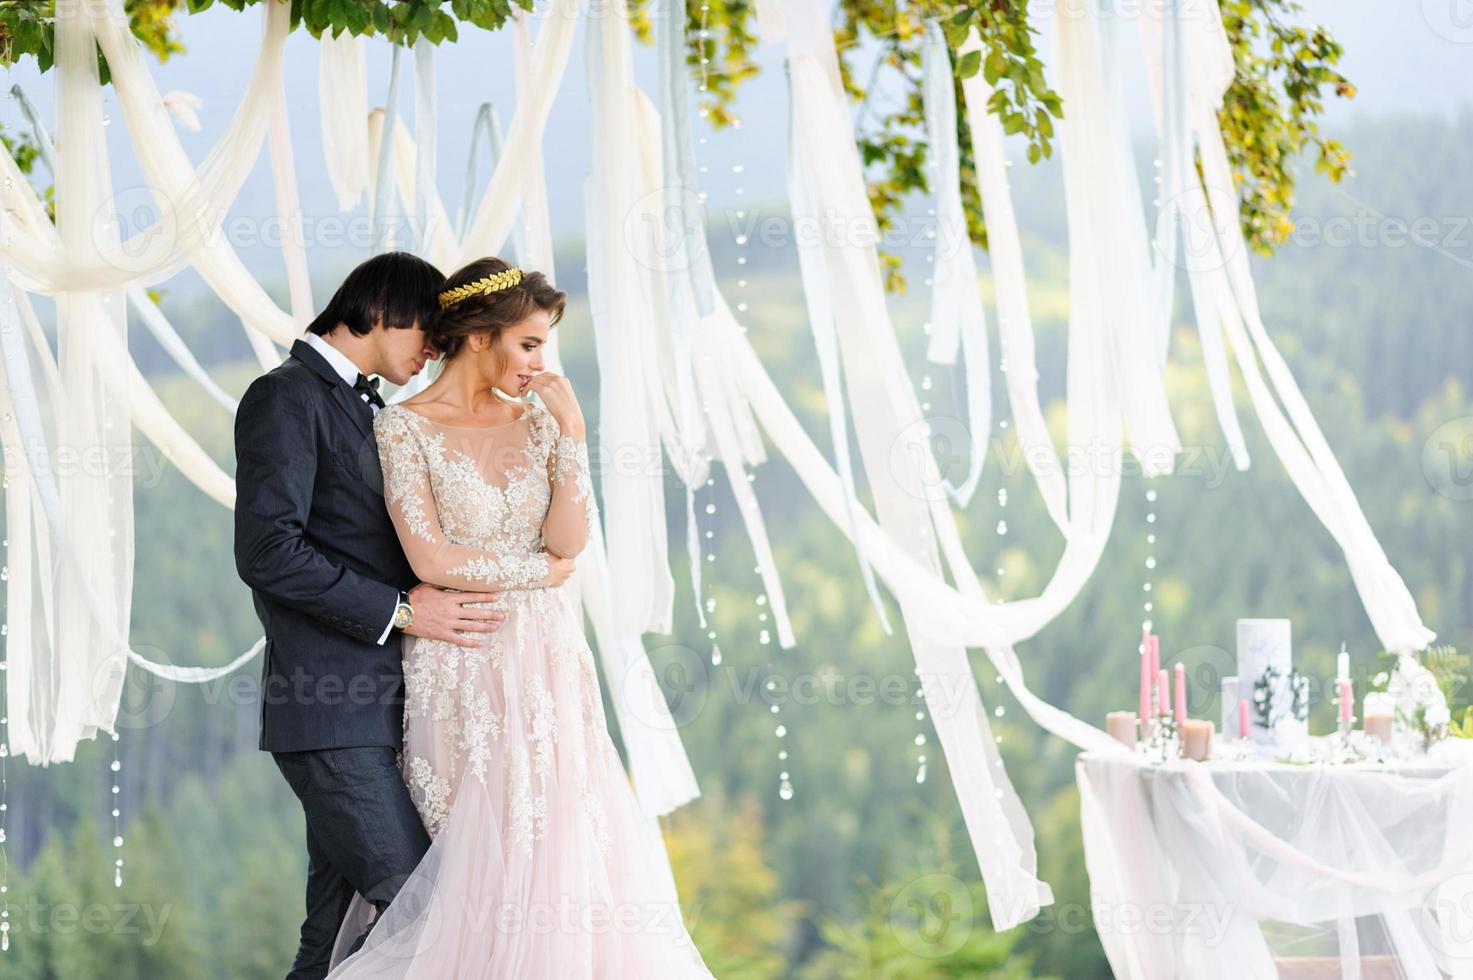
(557, 396)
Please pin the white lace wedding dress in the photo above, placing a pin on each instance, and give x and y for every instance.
(542, 864)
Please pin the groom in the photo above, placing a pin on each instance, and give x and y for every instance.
(334, 591)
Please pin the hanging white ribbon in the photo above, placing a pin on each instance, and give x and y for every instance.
(687, 440)
(195, 675)
(1014, 319)
(147, 410)
(1098, 174)
(1225, 299)
(957, 313)
(1188, 71)
(379, 213)
(496, 214)
(895, 448)
(688, 279)
(342, 109)
(813, 268)
(425, 135)
(633, 492)
(1167, 52)
(289, 214)
(168, 338)
(191, 205)
(30, 429)
(76, 653)
(488, 127)
(688, 239)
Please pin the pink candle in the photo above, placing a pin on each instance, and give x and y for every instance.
(1163, 693)
(1153, 648)
(1243, 718)
(1347, 700)
(1145, 705)
(1181, 693)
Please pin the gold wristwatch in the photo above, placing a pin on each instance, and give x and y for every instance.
(403, 613)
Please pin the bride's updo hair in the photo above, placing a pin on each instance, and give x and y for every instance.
(491, 313)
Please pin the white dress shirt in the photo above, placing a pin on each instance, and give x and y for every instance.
(349, 372)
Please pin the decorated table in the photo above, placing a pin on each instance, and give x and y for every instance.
(1245, 866)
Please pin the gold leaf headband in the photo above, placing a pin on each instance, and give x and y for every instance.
(490, 284)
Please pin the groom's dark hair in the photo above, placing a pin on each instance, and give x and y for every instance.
(398, 287)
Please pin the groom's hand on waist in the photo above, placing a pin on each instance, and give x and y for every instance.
(444, 615)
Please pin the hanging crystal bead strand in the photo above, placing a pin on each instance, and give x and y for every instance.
(117, 768)
(1148, 606)
(710, 600)
(1002, 535)
(920, 693)
(4, 760)
(780, 730)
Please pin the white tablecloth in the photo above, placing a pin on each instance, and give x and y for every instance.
(1188, 862)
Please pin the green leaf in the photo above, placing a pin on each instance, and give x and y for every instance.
(968, 64)
(1034, 152)
(996, 65)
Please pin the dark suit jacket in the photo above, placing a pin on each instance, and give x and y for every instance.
(314, 542)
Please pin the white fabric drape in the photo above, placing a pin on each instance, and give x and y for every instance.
(494, 217)
(75, 653)
(342, 108)
(1217, 849)
(957, 314)
(661, 771)
(1187, 72)
(689, 281)
(803, 196)
(425, 136)
(1098, 175)
(191, 204)
(148, 412)
(1226, 299)
(622, 309)
(381, 149)
(669, 350)
(1014, 319)
(896, 454)
(659, 766)
(289, 214)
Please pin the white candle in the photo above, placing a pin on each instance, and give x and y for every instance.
(1342, 665)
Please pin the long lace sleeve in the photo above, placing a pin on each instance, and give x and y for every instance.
(570, 516)
(434, 558)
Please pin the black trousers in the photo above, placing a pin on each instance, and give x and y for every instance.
(363, 835)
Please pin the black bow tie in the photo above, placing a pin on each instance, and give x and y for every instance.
(368, 388)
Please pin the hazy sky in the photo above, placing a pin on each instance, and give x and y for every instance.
(1412, 56)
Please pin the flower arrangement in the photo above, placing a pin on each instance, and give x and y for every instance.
(1420, 687)
(1288, 723)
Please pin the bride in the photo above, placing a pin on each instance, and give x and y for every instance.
(542, 864)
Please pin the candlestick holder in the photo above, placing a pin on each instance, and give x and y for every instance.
(1344, 745)
(1165, 740)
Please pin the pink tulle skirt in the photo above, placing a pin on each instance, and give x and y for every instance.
(542, 864)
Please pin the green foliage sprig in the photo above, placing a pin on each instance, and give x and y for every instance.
(1269, 114)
